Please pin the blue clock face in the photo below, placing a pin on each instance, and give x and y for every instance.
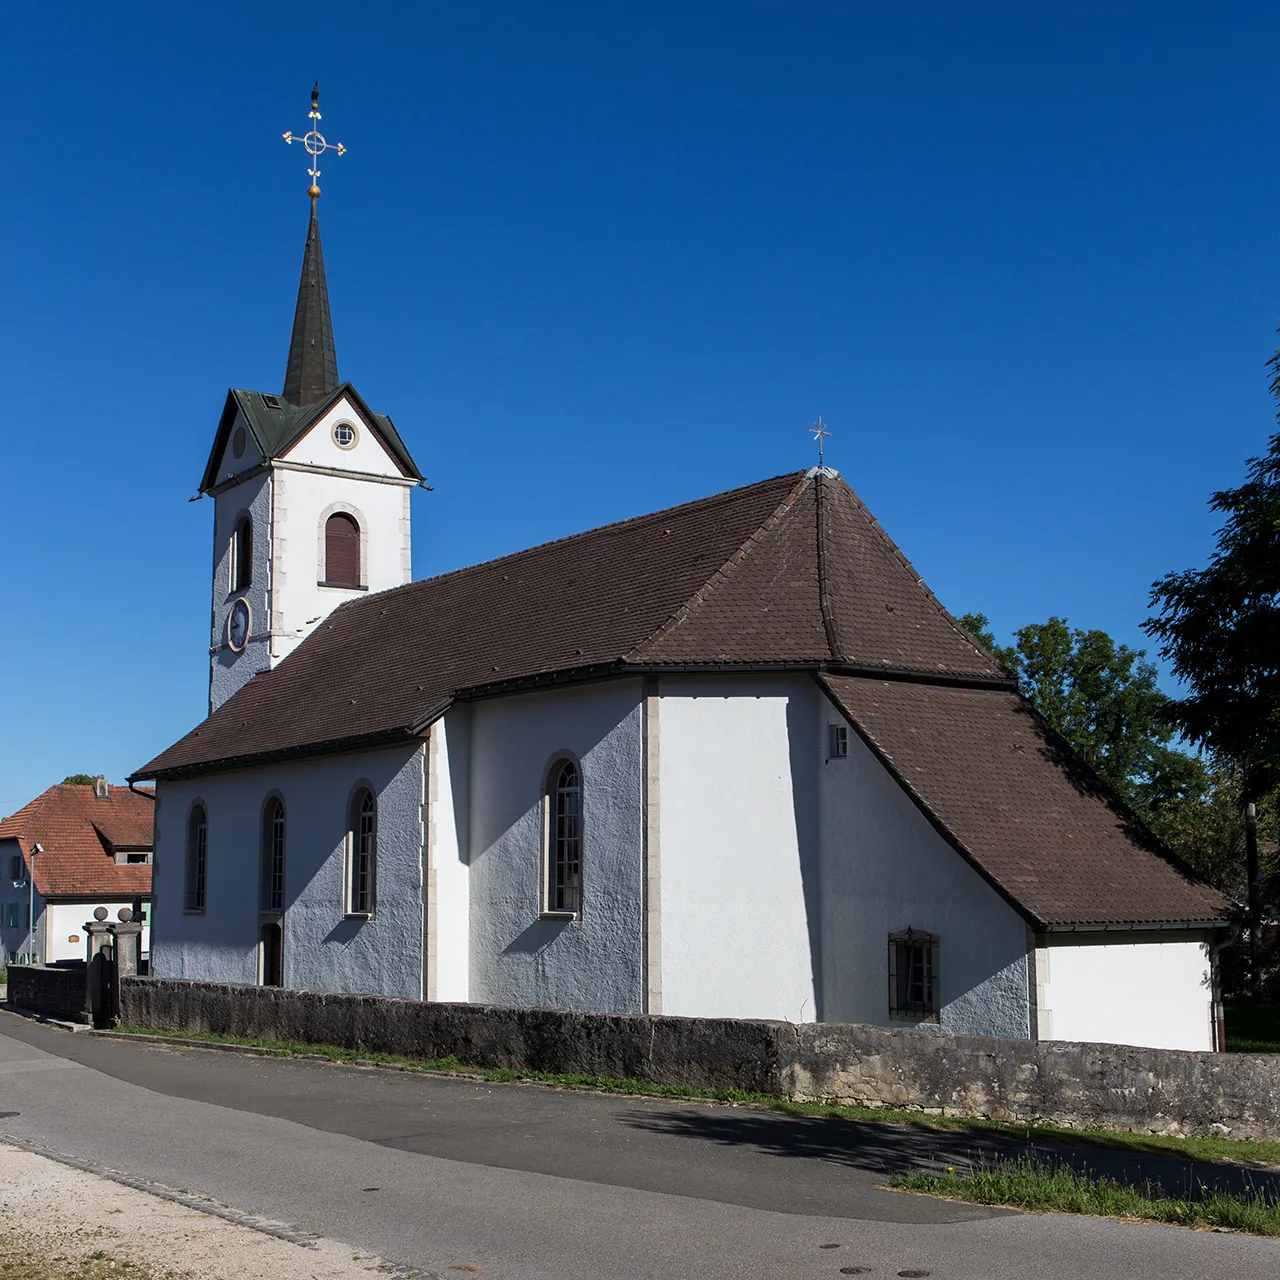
(238, 625)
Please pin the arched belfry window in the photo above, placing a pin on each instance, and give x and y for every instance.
(197, 859)
(564, 838)
(362, 853)
(341, 551)
(242, 555)
(272, 892)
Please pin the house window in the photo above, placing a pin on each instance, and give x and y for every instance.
(913, 976)
(362, 853)
(564, 839)
(16, 870)
(197, 859)
(837, 741)
(242, 555)
(13, 915)
(138, 858)
(341, 551)
(272, 895)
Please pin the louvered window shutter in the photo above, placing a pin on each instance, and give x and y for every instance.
(341, 551)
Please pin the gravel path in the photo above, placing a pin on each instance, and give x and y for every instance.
(55, 1220)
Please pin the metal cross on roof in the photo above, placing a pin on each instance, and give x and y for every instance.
(820, 433)
(315, 142)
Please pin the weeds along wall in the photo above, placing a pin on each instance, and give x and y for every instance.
(1146, 1090)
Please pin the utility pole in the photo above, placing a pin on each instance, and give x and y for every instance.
(31, 902)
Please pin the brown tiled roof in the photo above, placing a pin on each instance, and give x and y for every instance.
(731, 579)
(79, 832)
(1021, 806)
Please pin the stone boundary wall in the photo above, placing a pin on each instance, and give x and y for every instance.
(1147, 1090)
(54, 992)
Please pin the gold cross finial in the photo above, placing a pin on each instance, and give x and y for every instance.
(315, 143)
(820, 433)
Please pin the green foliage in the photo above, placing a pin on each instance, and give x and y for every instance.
(78, 780)
(1039, 1184)
(1253, 1025)
(1103, 699)
(978, 625)
(1219, 629)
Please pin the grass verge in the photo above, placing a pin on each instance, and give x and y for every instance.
(1031, 1184)
(1246, 1153)
(22, 1259)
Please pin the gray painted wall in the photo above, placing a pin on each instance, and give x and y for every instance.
(228, 670)
(517, 958)
(884, 868)
(322, 949)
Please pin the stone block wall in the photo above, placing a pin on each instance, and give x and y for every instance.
(1147, 1090)
(54, 992)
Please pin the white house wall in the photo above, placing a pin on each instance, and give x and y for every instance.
(303, 503)
(229, 670)
(63, 926)
(517, 957)
(739, 856)
(448, 888)
(322, 948)
(885, 869)
(1148, 989)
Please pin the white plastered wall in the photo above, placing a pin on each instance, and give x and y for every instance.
(885, 868)
(738, 885)
(318, 448)
(448, 874)
(228, 670)
(304, 500)
(1150, 989)
(517, 957)
(323, 949)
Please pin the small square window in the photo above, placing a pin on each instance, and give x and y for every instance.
(913, 976)
(838, 741)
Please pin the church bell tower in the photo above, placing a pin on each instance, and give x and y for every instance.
(310, 487)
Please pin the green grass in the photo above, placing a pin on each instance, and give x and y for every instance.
(1029, 1184)
(1228, 1150)
(1253, 1026)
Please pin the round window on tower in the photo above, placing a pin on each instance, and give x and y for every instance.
(237, 442)
(344, 435)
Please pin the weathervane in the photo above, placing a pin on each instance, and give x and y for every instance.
(820, 433)
(315, 143)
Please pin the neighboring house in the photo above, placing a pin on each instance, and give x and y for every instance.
(88, 846)
(728, 759)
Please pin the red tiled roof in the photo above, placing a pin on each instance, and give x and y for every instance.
(791, 570)
(77, 832)
(1021, 806)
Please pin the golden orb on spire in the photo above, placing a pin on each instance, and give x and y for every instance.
(313, 191)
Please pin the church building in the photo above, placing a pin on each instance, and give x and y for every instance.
(732, 758)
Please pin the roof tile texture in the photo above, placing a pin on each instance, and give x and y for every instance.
(77, 830)
(1027, 811)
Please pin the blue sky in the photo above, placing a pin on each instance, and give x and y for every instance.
(598, 259)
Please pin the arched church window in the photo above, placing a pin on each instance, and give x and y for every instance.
(242, 555)
(197, 859)
(272, 896)
(564, 839)
(362, 853)
(341, 551)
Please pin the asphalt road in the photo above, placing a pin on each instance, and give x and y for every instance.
(527, 1182)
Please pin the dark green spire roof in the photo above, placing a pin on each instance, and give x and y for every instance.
(312, 372)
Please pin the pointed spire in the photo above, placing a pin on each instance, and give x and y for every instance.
(312, 372)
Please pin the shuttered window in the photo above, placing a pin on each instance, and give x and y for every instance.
(341, 551)
(242, 555)
(273, 857)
